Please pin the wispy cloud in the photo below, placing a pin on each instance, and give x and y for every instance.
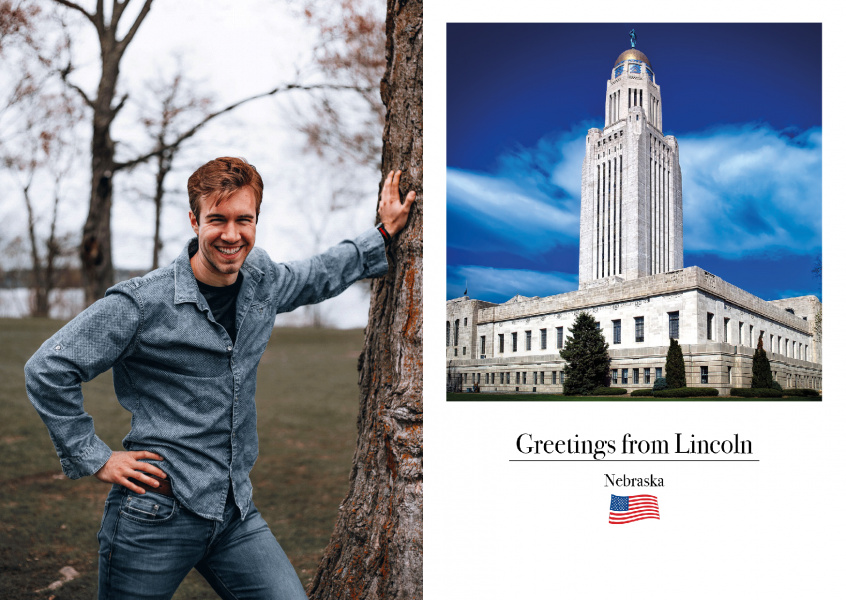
(530, 201)
(498, 285)
(751, 189)
(747, 189)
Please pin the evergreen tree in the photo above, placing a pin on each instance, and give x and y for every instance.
(586, 353)
(762, 376)
(674, 369)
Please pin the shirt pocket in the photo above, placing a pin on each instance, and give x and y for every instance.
(260, 307)
(149, 508)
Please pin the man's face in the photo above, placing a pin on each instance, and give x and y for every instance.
(227, 233)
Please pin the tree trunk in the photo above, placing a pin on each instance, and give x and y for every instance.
(376, 550)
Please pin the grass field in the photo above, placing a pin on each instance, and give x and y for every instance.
(307, 406)
(465, 397)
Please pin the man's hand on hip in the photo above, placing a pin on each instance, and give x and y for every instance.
(123, 465)
(392, 212)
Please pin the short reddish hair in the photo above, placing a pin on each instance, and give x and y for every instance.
(218, 179)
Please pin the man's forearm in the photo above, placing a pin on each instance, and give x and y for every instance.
(87, 346)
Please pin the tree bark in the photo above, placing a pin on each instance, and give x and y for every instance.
(376, 550)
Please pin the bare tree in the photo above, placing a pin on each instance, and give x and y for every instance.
(96, 247)
(342, 127)
(376, 550)
(38, 145)
(351, 50)
(174, 106)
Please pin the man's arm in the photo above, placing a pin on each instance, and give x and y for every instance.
(87, 346)
(330, 273)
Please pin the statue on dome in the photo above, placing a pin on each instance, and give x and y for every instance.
(633, 37)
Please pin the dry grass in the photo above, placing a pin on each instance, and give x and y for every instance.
(307, 403)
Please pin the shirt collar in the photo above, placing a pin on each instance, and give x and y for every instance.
(185, 284)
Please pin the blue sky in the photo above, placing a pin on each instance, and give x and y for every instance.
(743, 100)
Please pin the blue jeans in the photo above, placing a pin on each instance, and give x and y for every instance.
(149, 543)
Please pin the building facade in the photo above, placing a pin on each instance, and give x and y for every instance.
(632, 279)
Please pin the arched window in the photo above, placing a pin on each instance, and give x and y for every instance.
(455, 334)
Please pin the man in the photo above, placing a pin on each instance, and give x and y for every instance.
(184, 343)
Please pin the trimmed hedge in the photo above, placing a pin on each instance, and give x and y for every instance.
(756, 393)
(686, 392)
(608, 391)
(641, 393)
(805, 392)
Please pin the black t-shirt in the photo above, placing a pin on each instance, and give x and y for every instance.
(222, 302)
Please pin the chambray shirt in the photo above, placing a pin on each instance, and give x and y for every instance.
(190, 391)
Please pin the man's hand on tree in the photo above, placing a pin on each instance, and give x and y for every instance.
(392, 212)
(123, 465)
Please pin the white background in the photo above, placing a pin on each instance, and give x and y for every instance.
(500, 529)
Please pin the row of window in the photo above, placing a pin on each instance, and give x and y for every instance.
(624, 375)
(791, 348)
(538, 377)
(673, 326)
(618, 376)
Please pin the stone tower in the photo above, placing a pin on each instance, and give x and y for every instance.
(631, 215)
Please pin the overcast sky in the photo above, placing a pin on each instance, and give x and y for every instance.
(232, 51)
(744, 101)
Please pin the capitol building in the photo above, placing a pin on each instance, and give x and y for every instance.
(632, 279)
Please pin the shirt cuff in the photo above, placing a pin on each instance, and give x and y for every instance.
(372, 247)
(89, 461)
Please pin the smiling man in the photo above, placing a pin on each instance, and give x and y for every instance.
(184, 344)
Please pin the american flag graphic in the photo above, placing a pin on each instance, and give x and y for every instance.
(626, 509)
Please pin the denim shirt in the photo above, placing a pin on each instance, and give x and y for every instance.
(190, 392)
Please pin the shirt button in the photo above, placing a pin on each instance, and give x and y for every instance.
(229, 348)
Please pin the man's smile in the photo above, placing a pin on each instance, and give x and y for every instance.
(228, 251)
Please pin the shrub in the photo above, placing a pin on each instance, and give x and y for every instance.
(660, 384)
(756, 393)
(608, 391)
(675, 366)
(777, 386)
(687, 392)
(802, 392)
(762, 377)
(642, 393)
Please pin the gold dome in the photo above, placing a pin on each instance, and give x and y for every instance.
(632, 53)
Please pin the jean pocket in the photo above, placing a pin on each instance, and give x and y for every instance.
(151, 508)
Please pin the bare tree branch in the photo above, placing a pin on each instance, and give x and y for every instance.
(120, 105)
(64, 75)
(78, 8)
(134, 29)
(193, 130)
